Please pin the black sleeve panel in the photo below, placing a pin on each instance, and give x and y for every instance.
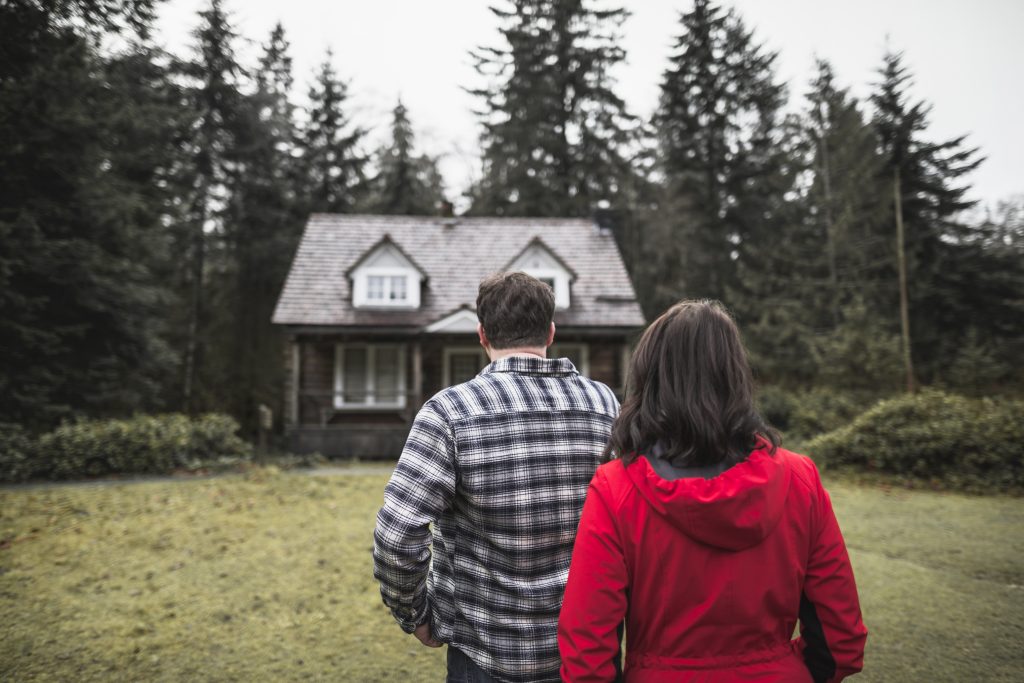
(817, 656)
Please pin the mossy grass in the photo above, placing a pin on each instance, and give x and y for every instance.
(267, 576)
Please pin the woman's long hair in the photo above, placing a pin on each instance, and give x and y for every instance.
(690, 392)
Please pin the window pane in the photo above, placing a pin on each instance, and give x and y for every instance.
(354, 375)
(386, 371)
(464, 366)
(398, 288)
(375, 287)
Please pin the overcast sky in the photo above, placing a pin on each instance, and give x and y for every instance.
(967, 60)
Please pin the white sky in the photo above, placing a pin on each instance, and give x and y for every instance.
(966, 58)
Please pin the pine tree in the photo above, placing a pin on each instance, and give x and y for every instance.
(333, 165)
(406, 183)
(846, 200)
(262, 224)
(844, 266)
(557, 140)
(213, 82)
(79, 216)
(929, 193)
(718, 126)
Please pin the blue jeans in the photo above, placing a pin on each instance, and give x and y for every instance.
(462, 669)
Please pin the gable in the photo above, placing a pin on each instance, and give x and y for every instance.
(540, 261)
(385, 277)
(461, 321)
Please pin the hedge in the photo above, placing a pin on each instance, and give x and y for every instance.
(145, 444)
(960, 442)
(805, 413)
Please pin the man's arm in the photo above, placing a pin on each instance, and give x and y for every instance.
(421, 488)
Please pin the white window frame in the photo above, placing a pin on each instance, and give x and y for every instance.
(361, 287)
(557, 351)
(371, 367)
(446, 363)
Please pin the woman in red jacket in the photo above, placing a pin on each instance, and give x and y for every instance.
(704, 536)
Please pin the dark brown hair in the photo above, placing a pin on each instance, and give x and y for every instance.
(690, 392)
(515, 310)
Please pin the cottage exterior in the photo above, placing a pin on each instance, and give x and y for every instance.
(379, 316)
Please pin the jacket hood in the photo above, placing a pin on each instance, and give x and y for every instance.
(735, 510)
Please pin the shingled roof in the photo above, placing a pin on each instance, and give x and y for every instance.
(455, 254)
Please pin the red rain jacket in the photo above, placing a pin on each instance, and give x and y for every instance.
(711, 577)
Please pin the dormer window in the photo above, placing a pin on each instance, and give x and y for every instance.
(386, 278)
(387, 289)
(542, 263)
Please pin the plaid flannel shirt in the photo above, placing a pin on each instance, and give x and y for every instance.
(500, 466)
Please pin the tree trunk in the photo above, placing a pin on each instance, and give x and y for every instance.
(901, 256)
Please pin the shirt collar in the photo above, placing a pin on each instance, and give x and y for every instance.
(531, 365)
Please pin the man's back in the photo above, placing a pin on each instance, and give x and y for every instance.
(501, 464)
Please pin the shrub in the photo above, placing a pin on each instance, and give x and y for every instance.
(15, 453)
(804, 413)
(961, 442)
(145, 444)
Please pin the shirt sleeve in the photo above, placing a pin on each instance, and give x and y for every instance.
(595, 594)
(831, 626)
(421, 488)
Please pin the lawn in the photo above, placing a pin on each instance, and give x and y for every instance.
(267, 576)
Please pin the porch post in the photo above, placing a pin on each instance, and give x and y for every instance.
(417, 378)
(293, 380)
(624, 368)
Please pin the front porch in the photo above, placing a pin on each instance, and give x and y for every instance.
(351, 396)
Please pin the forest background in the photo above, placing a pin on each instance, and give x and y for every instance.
(151, 203)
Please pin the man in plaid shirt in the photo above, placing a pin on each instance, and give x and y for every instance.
(500, 466)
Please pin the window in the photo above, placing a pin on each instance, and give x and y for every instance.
(462, 364)
(387, 289)
(578, 355)
(369, 376)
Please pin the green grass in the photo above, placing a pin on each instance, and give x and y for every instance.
(268, 577)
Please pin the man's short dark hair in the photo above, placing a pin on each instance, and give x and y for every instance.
(515, 310)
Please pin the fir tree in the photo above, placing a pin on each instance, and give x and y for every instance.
(216, 105)
(80, 220)
(718, 128)
(845, 199)
(333, 165)
(262, 224)
(406, 183)
(928, 191)
(557, 140)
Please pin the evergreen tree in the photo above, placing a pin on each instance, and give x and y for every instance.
(929, 193)
(844, 265)
(216, 106)
(721, 155)
(261, 231)
(406, 183)
(556, 139)
(333, 166)
(79, 216)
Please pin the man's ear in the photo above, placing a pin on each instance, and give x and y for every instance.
(551, 335)
(482, 336)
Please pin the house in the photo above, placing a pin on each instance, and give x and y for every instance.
(379, 316)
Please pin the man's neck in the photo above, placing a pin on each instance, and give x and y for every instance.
(530, 352)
